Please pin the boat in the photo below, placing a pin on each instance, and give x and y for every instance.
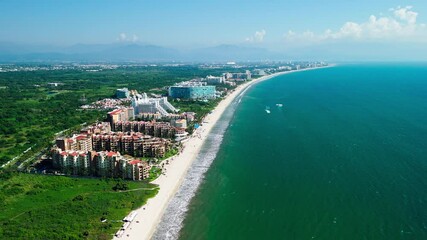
(267, 109)
(279, 104)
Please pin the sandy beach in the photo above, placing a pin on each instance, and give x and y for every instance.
(149, 215)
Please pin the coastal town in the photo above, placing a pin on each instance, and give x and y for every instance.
(149, 136)
(206, 120)
(139, 131)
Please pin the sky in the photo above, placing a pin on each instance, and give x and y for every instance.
(274, 25)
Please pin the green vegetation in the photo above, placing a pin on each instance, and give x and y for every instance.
(155, 172)
(171, 152)
(58, 207)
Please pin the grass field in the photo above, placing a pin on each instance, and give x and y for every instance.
(58, 207)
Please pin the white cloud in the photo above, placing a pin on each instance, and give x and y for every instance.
(401, 25)
(257, 37)
(406, 14)
(123, 37)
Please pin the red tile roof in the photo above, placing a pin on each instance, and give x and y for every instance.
(80, 137)
(133, 162)
(115, 112)
(110, 154)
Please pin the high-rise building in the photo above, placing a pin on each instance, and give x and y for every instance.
(192, 90)
(80, 142)
(211, 80)
(143, 104)
(135, 144)
(121, 114)
(101, 164)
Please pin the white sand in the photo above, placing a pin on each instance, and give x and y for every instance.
(150, 214)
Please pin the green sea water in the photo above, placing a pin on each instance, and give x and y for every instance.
(344, 158)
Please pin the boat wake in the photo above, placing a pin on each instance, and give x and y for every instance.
(172, 220)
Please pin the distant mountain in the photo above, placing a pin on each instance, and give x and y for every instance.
(121, 52)
(231, 52)
(135, 52)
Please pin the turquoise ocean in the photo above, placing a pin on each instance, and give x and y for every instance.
(333, 153)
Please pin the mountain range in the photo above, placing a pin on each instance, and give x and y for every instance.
(129, 52)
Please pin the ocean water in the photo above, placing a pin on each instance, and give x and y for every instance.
(345, 157)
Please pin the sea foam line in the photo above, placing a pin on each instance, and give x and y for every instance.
(172, 220)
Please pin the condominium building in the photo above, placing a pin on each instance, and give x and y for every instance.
(211, 80)
(72, 162)
(121, 114)
(101, 164)
(137, 170)
(152, 128)
(135, 144)
(179, 123)
(78, 142)
(99, 127)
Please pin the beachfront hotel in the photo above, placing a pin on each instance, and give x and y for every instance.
(141, 104)
(192, 90)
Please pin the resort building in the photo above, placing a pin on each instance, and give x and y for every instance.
(80, 142)
(122, 93)
(152, 128)
(211, 80)
(100, 164)
(179, 123)
(190, 116)
(121, 114)
(192, 90)
(99, 127)
(238, 76)
(143, 104)
(135, 144)
(72, 162)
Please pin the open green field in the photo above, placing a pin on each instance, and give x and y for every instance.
(58, 207)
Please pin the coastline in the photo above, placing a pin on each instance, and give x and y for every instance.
(150, 214)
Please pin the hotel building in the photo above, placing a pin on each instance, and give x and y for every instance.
(192, 90)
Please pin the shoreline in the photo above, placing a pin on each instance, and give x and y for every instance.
(150, 214)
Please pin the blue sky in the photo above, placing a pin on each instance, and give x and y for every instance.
(269, 24)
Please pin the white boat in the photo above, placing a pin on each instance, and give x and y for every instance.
(279, 104)
(267, 109)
